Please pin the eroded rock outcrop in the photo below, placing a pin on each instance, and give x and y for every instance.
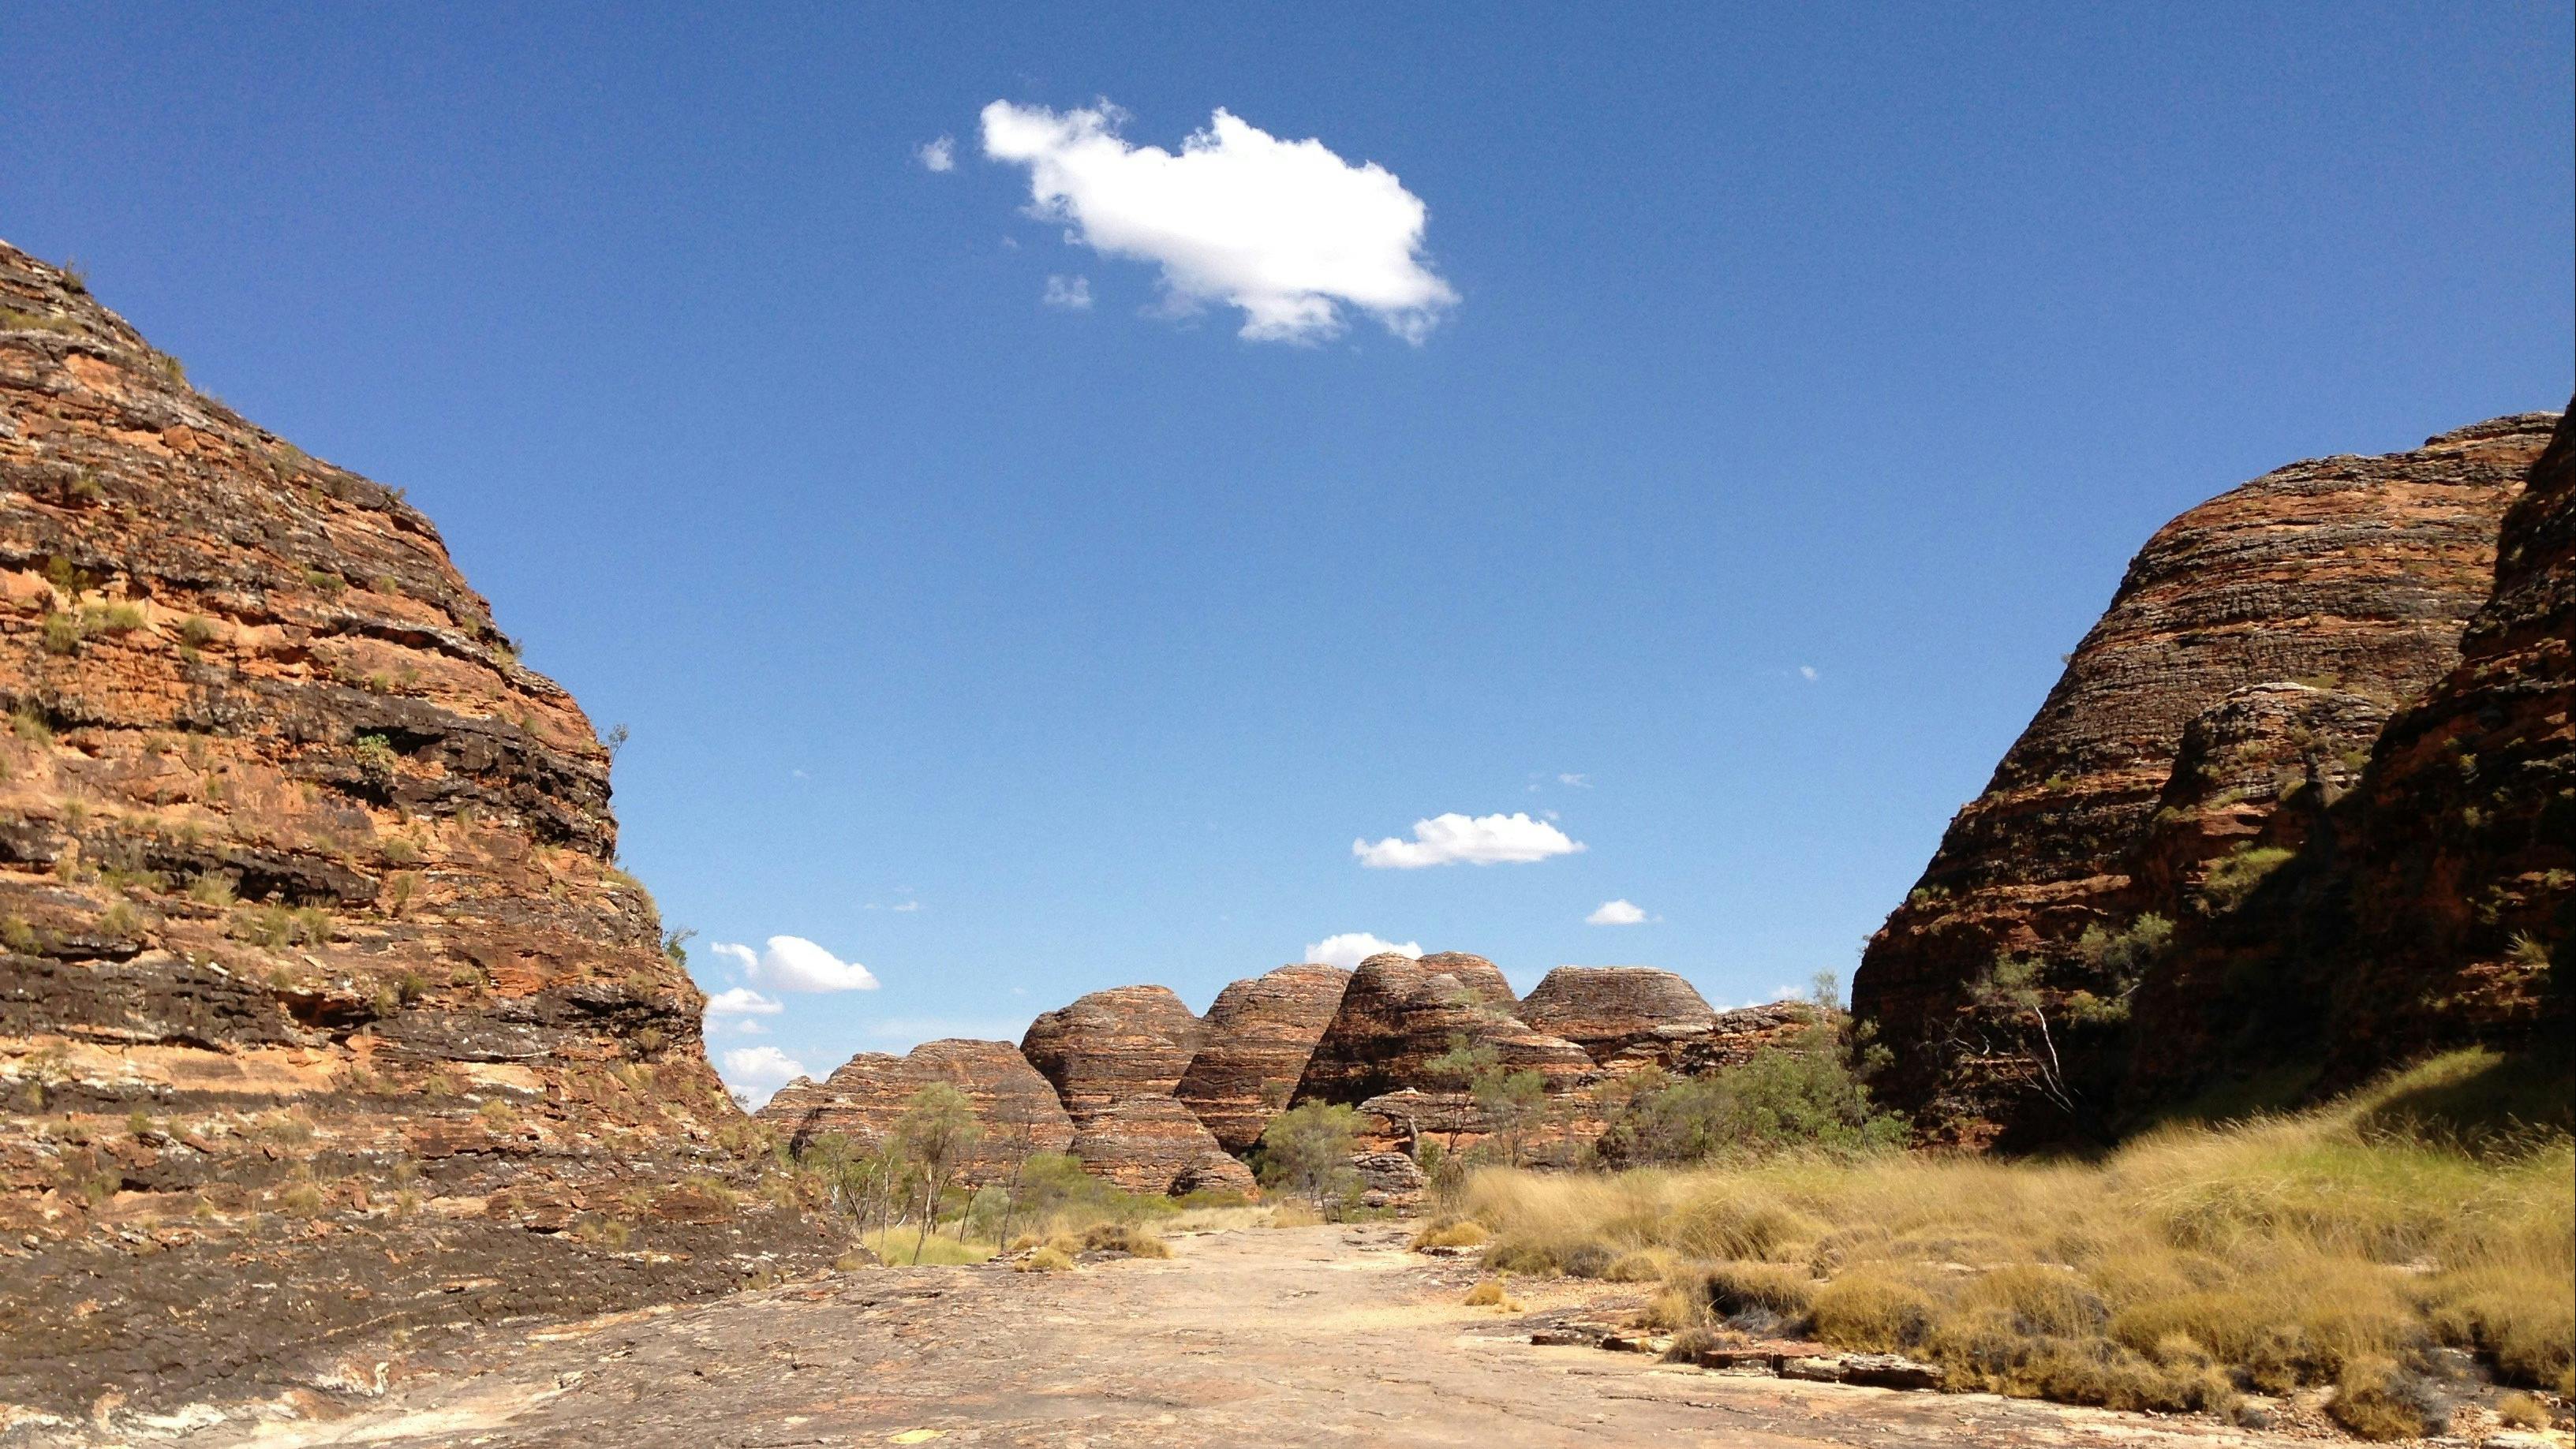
(2464, 865)
(2350, 576)
(1398, 1014)
(1633, 1015)
(1260, 1033)
(1114, 1058)
(323, 1009)
(862, 1100)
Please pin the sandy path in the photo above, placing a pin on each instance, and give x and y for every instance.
(1315, 1336)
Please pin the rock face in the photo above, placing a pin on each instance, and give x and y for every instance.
(2425, 910)
(2350, 576)
(1114, 1058)
(1399, 1013)
(1635, 1015)
(1016, 1107)
(1260, 1033)
(323, 1010)
(2464, 866)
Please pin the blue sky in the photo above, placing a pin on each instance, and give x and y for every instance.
(1811, 374)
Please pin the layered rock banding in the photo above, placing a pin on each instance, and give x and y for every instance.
(2194, 741)
(1628, 1015)
(2464, 866)
(1398, 1014)
(324, 1010)
(862, 1100)
(1114, 1058)
(1259, 1035)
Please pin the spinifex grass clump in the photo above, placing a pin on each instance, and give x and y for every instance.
(2335, 1248)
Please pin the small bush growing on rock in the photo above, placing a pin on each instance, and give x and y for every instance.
(1125, 1238)
(1461, 1233)
(2376, 1399)
(1765, 1297)
(1043, 1260)
(1487, 1293)
(2521, 1411)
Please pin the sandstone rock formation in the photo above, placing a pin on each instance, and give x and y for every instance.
(863, 1098)
(1260, 1033)
(2464, 869)
(1398, 1014)
(324, 1009)
(1733, 1038)
(1635, 1015)
(1114, 1058)
(2350, 577)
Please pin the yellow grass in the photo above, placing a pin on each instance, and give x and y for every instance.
(895, 1247)
(2323, 1248)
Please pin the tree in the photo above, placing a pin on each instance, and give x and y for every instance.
(1306, 1151)
(1509, 1103)
(935, 1131)
(1799, 1093)
(2022, 1007)
(1460, 1068)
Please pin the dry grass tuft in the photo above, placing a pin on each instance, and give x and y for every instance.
(1125, 1238)
(1487, 1294)
(2335, 1247)
(1044, 1260)
(1460, 1233)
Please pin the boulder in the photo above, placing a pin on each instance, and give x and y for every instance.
(1259, 1034)
(301, 863)
(862, 1100)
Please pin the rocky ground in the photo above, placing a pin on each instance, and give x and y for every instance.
(1310, 1336)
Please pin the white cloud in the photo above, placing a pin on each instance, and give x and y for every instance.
(905, 906)
(1807, 672)
(1484, 840)
(1073, 294)
(939, 155)
(1616, 913)
(792, 963)
(757, 1072)
(1285, 230)
(1352, 947)
(743, 1001)
(1579, 782)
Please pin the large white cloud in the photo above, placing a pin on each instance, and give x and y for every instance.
(1484, 840)
(1285, 230)
(1616, 913)
(1352, 947)
(792, 963)
(756, 1073)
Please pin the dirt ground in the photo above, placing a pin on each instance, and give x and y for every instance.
(1308, 1336)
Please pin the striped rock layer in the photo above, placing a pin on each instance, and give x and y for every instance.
(323, 1007)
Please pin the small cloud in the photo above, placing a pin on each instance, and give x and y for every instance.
(1073, 294)
(1579, 782)
(939, 155)
(1617, 913)
(755, 1073)
(743, 1001)
(792, 963)
(905, 906)
(1352, 947)
(1484, 840)
(1807, 672)
(1285, 230)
